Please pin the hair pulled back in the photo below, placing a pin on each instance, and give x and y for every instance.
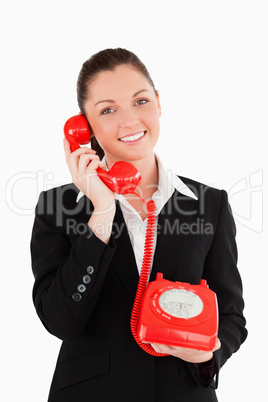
(105, 60)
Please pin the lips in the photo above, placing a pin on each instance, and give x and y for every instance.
(133, 137)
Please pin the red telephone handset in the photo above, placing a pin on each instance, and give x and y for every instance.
(122, 178)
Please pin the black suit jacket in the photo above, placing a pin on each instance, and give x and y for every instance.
(99, 360)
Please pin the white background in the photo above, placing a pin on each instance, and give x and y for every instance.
(208, 60)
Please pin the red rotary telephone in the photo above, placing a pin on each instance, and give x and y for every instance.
(171, 313)
(185, 315)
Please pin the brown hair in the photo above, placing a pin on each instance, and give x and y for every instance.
(105, 60)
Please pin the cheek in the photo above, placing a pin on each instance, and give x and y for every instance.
(153, 120)
(104, 134)
(103, 130)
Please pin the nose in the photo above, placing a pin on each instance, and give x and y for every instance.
(128, 118)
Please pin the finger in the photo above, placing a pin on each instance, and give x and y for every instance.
(217, 346)
(102, 165)
(77, 152)
(85, 160)
(160, 348)
(83, 150)
(66, 147)
(95, 164)
(86, 163)
(155, 347)
(74, 158)
(177, 348)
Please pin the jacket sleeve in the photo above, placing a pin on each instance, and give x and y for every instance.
(61, 267)
(224, 279)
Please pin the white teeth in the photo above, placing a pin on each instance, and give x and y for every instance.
(133, 137)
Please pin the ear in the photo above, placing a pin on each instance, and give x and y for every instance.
(158, 103)
(90, 128)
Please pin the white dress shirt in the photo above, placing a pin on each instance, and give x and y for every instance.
(136, 227)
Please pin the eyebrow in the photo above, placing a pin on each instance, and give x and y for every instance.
(112, 101)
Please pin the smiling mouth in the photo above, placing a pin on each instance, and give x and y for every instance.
(131, 138)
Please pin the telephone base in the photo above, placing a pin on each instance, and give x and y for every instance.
(179, 314)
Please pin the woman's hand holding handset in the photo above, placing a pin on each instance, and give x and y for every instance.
(82, 165)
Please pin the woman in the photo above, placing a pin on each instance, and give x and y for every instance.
(87, 247)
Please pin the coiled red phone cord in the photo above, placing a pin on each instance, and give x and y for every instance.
(144, 275)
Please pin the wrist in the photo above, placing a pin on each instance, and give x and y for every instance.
(105, 210)
(101, 222)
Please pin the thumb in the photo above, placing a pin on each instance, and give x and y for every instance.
(218, 345)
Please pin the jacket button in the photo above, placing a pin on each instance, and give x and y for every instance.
(90, 270)
(76, 297)
(81, 288)
(86, 279)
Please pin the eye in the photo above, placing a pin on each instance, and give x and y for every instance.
(107, 110)
(141, 102)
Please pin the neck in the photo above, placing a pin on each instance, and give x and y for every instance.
(149, 176)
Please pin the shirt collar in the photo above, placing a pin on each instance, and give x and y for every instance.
(168, 182)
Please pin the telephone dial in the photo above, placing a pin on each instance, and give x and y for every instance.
(171, 313)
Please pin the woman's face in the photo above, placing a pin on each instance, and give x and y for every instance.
(123, 111)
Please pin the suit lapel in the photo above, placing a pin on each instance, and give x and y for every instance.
(124, 262)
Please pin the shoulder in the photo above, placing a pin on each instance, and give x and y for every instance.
(57, 198)
(59, 205)
(210, 201)
(202, 189)
(66, 191)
